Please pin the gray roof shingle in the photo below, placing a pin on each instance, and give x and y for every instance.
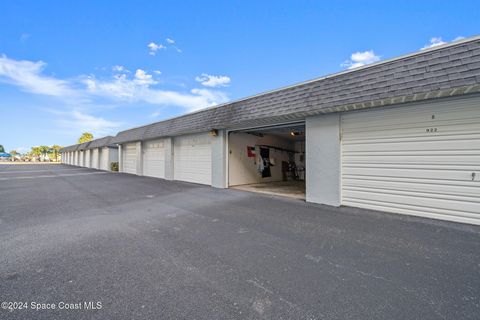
(97, 143)
(102, 142)
(448, 70)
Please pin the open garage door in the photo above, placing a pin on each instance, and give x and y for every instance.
(193, 158)
(130, 158)
(422, 160)
(268, 160)
(154, 158)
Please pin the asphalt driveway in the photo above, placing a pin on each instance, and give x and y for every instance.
(143, 248)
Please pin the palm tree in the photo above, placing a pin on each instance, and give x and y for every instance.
(55, 149)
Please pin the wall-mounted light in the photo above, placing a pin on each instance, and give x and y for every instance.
(294, 133)
(213, 132)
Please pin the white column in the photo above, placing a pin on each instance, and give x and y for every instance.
(120, 159)
(219, 160)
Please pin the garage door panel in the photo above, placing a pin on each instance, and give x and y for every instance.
(392, 160)
(426, 202)
(403, 208)
(130, 158)
(193, 159)
(438, 144)
(154, 159)
(440, 173)
(467, 158)
(445, 111)
(94, 161)
(443, 190)
(87, 159)
(104, 165)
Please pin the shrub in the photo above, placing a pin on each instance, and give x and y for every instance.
(114, 166)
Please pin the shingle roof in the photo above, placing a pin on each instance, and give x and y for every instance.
(69, 148)
(97, 143)
(448, 70)
(83, 146)
(100, 143)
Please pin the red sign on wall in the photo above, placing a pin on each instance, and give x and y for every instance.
(251, 152)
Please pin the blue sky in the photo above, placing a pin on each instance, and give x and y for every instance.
(105, 66)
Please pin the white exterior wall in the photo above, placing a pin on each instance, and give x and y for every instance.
(106, 156)
(323, 159)
(219, 160)
(120, 158)
(112, 156)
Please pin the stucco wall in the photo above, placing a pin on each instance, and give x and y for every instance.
(323, 159)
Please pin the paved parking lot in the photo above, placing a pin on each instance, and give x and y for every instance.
(151, 249)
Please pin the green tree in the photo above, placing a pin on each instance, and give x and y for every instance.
(1, 148)
(36, 151)
(55, 148)
(85, 137)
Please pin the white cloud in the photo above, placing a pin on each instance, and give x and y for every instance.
(140, 89)
(22, 149)
(82, 93)
(213, 81)
(155, 114)
(154, 47)
(438, 41)
(24, 37)
(157, 72)
(119, 68)
(79, 122)
(142, 78)
(27, 75)
(434, 42)
(170, 40)
(359, 59)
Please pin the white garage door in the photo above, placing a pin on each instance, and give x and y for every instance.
(422, 160)
(154, 158)
(104, 165)
(87, 158)
(94, 158)
(193, 158)
(130, 158)
(82, 159)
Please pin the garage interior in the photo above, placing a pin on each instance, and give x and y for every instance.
(268, 160)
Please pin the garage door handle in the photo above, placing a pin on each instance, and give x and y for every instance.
(473, 175)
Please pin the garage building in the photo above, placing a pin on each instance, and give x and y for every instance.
(401, 135)
(102, 153)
